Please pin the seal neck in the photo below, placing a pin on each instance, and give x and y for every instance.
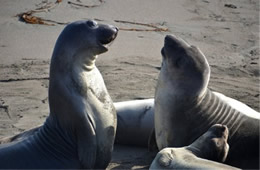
(86, 63)
(196, 151)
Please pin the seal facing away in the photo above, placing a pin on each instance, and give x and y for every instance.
(80, 130)
(203, 153)
(185, 107)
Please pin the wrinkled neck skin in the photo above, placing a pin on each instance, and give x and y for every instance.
(86, 63)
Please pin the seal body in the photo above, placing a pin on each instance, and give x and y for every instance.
(80, 130)
(203, 153)
(134, 121)
(185, 107)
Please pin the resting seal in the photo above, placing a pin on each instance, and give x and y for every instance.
(210, 147)
(80, 130)
(134, 122)
(183, 102)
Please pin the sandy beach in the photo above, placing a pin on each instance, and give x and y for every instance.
(226, 31)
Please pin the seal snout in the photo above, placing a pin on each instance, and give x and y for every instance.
(170, 43)
(169, 38)
(220, 130)
(173, 46)
(173, 41)
(108, 35)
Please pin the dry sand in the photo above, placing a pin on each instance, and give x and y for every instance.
(227, 31)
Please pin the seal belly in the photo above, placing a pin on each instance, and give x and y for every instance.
(103, 116)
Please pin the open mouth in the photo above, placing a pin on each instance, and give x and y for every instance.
(107, 40)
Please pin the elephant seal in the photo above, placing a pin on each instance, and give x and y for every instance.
(80, 129)
(134, 122)
(185, 107)
(203, 153)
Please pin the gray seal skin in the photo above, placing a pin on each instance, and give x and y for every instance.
(204, 153)
(134, 122)
(185, 107)
(80, 130)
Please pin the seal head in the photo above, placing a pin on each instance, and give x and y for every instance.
(186, 64)
(213, 144)
(85, 39)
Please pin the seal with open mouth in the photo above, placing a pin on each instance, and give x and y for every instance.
(80, 129)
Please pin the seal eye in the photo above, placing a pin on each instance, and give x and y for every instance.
(92, 23)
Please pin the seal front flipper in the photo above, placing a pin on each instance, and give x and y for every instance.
(86, 138)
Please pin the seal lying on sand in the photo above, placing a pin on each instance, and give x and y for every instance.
(134, 122)
(185, 107)
(210, 147)
(80, 130)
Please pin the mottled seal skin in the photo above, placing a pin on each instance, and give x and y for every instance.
(204, 153)
(80, 130)
(185, 107)
(134, 122)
